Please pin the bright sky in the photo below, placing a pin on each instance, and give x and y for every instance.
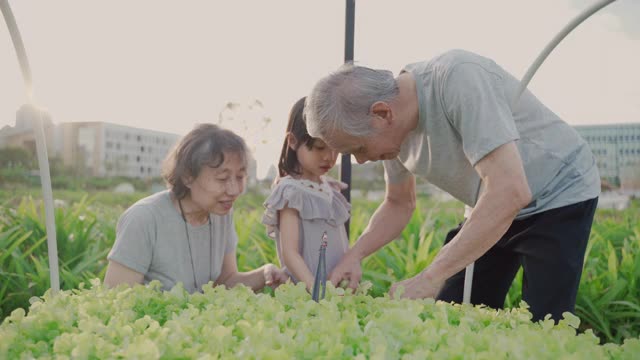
(166, 65)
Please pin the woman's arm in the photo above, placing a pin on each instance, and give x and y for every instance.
(130, 256)
(267, 274)
(119, 274)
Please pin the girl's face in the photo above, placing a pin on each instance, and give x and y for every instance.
(216, 189)
(316, 161)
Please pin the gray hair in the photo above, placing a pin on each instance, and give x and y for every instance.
(205, 145)
(341, 101)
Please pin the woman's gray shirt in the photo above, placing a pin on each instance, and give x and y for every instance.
(151, 239)
(465, 107)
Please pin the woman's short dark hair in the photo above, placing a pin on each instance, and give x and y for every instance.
(288, 163)
(205, 145)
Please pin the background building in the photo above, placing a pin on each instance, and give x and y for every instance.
(21, 135)
(104, 149)
(617, 151)
(94, 148)
(99, 148)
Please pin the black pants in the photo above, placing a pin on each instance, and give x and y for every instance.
(550, 246)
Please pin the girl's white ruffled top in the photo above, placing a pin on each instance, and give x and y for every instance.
(321, 208)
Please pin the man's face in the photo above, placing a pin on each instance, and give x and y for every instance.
(379, 146)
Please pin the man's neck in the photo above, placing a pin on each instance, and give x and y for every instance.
(407, 102)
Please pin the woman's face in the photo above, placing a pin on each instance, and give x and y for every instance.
(215, 189)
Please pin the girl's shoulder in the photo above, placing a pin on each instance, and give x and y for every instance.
(310, 199)
(306, 186)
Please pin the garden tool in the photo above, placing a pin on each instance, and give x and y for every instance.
(321, 272)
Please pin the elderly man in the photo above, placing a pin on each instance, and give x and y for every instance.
(530, 179)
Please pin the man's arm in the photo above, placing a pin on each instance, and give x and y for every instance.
(389, 219)
(385, 225)
(505, 193)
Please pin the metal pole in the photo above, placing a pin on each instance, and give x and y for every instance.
(10, 20)
(345, 167)
(554, 42)
(468, 281)
(35, 115)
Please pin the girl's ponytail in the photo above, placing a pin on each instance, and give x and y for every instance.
(288, 163)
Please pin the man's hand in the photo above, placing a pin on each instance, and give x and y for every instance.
(349, 269)
(417, 287)
(274, 276)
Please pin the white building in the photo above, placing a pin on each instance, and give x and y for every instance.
(617, 151)
(94, 148)
(105, 149)
(21, 135)
(100, 148)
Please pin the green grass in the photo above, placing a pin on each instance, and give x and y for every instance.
(83, 242)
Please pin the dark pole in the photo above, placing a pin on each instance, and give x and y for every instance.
(345, 167)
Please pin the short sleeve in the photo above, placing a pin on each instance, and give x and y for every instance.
(232, 236)
(133, 246)
(331, 206)
(477, 107)
(394, 171)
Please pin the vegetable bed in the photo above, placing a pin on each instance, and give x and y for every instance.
(146, 323)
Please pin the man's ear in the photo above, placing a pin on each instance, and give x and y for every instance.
(292, 141)
(382, 114)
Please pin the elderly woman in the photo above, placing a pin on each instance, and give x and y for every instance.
(186, 233)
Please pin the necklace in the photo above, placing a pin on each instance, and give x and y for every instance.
(186, 231)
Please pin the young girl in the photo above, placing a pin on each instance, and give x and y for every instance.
(303, 206)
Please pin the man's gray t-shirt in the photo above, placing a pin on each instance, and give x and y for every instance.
(151, 239)
(465, 113)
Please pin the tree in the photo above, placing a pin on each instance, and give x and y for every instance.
(249, 121)
(13, 157)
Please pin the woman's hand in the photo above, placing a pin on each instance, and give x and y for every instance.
(274, 276)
